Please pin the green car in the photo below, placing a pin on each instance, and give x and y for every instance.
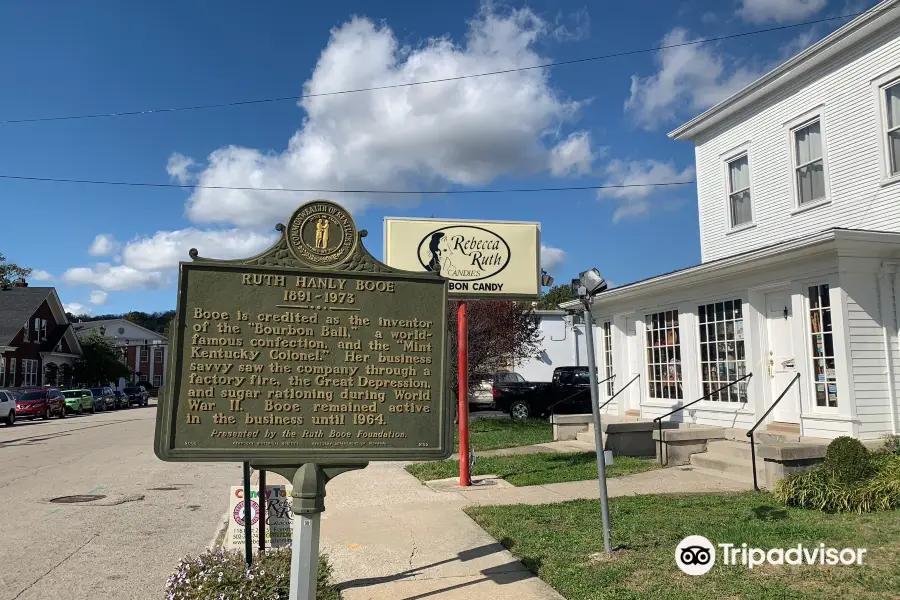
(78, 401)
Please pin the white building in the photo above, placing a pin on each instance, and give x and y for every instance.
(563, 345)
(798, 179)
(145, 352)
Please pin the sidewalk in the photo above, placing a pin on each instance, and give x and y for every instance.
(389, 537)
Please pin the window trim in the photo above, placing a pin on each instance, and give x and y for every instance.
(157, 381)
(791, 127)
(648, 312)
(26, 362)
(728, 158)
(810, 381)
(879, 97)
(724, 405)
(607, 329)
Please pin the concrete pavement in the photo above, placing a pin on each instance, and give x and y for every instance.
(121, 547)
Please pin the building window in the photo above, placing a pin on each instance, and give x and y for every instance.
(809, 163)
(157, 380)
(608, 357)
(142, 379)
(722, 357)
(664, 355)
(26, 332)
(2, 371)
(739, 191)
(892, 113)
(145, 355)
(824, 374)
(37, 330)
(29, 372)
(12, 372)
(43, 330)
(157, 355)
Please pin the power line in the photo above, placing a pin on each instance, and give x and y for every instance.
(429, 81)
(333, 191)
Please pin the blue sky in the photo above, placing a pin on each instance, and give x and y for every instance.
(114, 249)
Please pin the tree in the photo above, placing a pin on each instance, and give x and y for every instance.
(501, 334)
(99, 362)
(556, 296)
(9, 272)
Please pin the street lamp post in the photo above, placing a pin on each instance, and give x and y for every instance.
(591, 283)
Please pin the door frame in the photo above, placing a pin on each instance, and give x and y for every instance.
(760, 390)
(791, 332)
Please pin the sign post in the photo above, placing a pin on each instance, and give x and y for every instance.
(462, 379)
(309, 360)
(483, 260)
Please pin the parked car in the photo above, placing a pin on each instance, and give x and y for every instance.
(137, 395)
(79, 401)
(40, 402)
(568, 392)
(7, 407)
(107, 397)
(121, 399)
(488, 387)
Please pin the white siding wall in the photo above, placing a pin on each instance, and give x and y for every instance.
(852, 135)
(562, 347)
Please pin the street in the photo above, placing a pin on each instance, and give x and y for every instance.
(122, 546)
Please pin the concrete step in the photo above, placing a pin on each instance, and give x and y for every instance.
(588, 437)
(727, 464)
(735, 449)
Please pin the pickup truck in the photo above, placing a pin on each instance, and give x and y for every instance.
(487, 388)
(568, 392)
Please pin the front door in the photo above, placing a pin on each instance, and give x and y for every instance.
(780, 359)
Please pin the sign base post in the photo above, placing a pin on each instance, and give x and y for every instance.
(308, 504)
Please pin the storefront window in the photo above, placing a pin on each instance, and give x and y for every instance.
(722, 356)
(824, 375)
(664, 356)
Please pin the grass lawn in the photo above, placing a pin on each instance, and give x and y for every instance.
(561, 542)
(491, 434)
(534, 469)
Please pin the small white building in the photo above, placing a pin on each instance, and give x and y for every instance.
(563, 345)
(798, 180)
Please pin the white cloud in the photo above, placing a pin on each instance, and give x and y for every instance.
(103, 245)
(637, 201)
(41, 275)
(179, 166)
(688, 76)
(166, 248)
(75, 308)
(709, 18)
(115, 278)
(98, 297)
(573, 155)
(780, 11)
(579, 29)
(551, 257)
(465, 132)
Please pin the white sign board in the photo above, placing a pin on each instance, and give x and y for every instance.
(482, 259)
(279, 517)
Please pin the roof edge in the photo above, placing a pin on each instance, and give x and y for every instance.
(793, 67)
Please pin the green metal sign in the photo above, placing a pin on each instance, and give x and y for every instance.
(311, 352)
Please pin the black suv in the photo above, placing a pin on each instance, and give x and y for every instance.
(137, 395)
(569, 392)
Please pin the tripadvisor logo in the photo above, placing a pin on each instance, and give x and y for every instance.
(466, 255)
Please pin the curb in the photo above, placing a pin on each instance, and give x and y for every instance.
(219, 537)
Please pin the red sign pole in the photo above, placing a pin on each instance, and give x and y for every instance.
(462, 335)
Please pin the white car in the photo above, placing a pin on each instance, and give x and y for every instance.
(7, 408)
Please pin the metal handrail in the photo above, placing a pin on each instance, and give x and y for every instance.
(758, 423)
(588, 389)
(658, 420)
(613, 397)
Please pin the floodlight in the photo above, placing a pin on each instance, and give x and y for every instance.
(592, 282)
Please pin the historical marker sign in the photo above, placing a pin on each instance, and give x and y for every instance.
(312, 352)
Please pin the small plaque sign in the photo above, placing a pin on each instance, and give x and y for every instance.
(312, 352)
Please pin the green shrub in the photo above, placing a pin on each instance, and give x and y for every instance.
(891, 444)
(848, 459)
(820, 489)
(223, 575)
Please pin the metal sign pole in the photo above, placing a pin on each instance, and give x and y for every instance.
(598, 433)
(305, 557)
(248, 528)
(263, 509)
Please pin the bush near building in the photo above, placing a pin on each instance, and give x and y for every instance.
(851, 479)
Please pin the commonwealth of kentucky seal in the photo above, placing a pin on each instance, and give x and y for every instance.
(322, 234)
